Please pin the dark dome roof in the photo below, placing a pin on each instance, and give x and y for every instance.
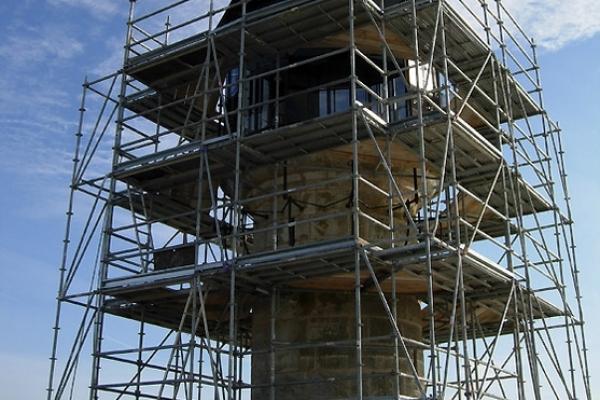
(235, 12)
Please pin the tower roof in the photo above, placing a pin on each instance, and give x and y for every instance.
(235, 12)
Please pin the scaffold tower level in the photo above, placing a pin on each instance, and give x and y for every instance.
(319, 199)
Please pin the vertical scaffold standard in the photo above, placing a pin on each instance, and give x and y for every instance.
(319, 199)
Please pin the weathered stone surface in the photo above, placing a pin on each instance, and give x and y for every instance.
(333, 169)
(304, 318)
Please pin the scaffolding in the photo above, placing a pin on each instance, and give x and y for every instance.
(170, 241)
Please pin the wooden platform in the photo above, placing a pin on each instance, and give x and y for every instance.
(324, 266)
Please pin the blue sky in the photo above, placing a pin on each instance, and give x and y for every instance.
(48, 46)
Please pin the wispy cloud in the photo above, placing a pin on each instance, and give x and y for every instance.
(554, 23)
(31, 45)
(113, 59)
(98, 8)
(28, 149)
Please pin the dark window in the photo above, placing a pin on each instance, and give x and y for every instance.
(399, 107)
(232, 79)
(259, 115)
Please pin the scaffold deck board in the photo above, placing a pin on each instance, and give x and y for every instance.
(282, 26)
(467, 53)
(329, 265)
(476, 160)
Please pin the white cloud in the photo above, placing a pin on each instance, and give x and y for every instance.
(97, 7)
(552, 23)
(28, 149)
(35, 45)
